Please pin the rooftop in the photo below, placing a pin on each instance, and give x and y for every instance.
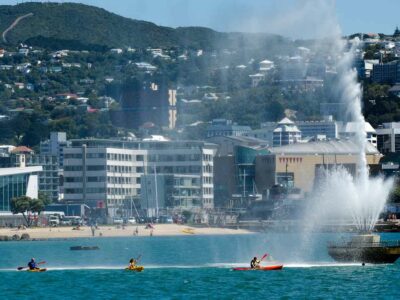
(22, 149)
(324, 147)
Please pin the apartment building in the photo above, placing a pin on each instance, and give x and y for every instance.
(107, 173)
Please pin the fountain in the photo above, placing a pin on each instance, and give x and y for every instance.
(359, 198)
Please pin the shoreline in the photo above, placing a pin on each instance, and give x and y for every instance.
(161, 230)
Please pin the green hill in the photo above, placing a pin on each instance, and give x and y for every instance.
(58, 25)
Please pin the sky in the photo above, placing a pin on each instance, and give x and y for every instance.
(293, 18)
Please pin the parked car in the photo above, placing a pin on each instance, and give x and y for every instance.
(66, 222)
(131, 220)
(141, 220)
(118, 221)
(166, 219)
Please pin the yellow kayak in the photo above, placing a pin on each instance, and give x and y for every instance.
(135, 269)
(188, 230)
(37, 270)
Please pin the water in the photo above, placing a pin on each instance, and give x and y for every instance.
(339, 193)
(194, 267)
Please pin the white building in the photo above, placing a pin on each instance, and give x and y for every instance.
(16, 182)
(285, 133)
(55, 145)
(102, 176)
(107, 173)
(349, 129)
(266, 65)
(388, 137)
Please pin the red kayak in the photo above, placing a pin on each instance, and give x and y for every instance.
(265, 268)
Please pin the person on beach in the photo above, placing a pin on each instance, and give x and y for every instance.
(32, 264)
(255, 263)
(132, 263)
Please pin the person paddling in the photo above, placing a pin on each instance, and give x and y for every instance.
(32, 264)
(132, 263)
(255, 263)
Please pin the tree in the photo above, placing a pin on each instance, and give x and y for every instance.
(42, 196)
(21, 205)
(25, 205)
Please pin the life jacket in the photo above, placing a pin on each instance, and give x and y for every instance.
(32, 265)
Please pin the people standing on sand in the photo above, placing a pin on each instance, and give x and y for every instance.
(136, 231)
(151, 232)
(93, 230)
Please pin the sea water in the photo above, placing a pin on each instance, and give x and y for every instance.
(191, 267)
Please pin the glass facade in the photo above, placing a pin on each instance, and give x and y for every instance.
(12, 186)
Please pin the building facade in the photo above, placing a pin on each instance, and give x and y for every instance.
(108, 173)
(160, 193)
(297, 165)
(328, 128)
(55, 146)
(386, 73)
(16, 182)
(101, 175)
(222, 127)
(286, 133)
(388, 137)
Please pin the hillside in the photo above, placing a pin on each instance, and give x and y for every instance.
(71, 25)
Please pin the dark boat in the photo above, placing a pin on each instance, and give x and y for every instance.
(366, 248)
(84, 248)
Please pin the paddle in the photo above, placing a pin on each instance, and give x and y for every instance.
(39, 263)
(259, 262)
(264, 256)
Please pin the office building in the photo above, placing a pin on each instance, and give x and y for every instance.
(107, 173)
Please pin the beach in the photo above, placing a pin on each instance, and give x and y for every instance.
(118, 231)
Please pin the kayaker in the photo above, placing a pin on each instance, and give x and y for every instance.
(255, 263)
(32, 264)
(132, 263)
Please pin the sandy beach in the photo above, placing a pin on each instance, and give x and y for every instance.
(114, 231)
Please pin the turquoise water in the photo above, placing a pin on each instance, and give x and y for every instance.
(195, 267)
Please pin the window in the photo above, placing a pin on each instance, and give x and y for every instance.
(95, 179)
(95, 168)
(73, 155)
(96, 155)
(73, 168)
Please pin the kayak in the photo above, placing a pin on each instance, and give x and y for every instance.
(84, 248)
(188, 230)
(136, 269)
(266, 268)
(37, 270)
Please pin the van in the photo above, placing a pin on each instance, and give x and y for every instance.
(54, 221)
